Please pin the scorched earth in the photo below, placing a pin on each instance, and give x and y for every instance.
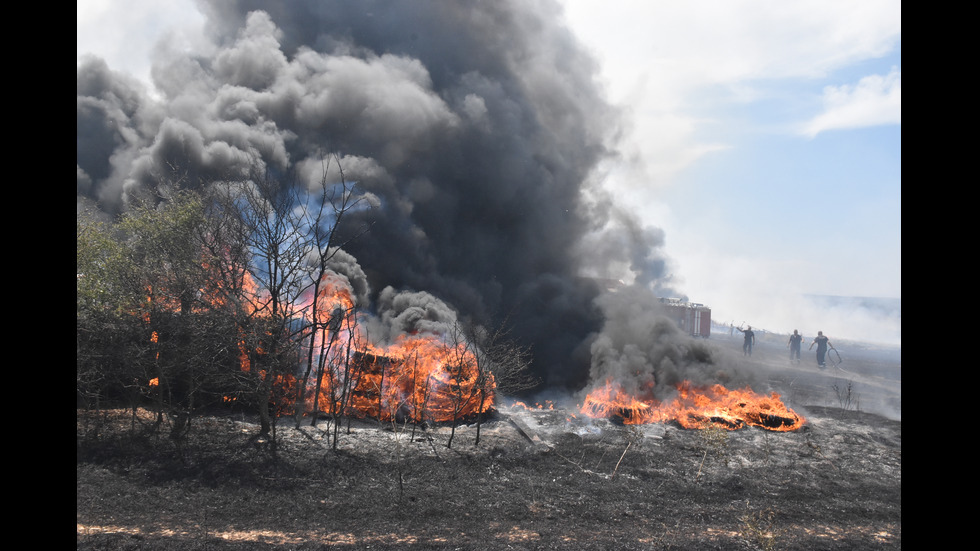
(539, 479)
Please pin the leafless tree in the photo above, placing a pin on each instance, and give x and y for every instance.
(323, 215)
(463, 379)
(347, 376)
(502, 365)
(420, 396)
(274, 241)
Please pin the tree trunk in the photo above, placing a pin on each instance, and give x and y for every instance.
(479, 415)
(321, 368)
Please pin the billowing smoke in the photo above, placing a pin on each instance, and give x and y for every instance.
(477, 125)
(646, 354)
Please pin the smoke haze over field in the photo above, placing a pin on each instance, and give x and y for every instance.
(477, 125)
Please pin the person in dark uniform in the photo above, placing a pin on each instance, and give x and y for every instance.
(749, 340)
(795, 342)
(822, 343)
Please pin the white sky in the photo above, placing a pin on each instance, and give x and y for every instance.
(765, 140)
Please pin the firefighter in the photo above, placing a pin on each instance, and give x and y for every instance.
(822, 343)
(749, 340)
(795, 342)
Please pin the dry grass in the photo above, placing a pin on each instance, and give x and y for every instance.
(220, 490)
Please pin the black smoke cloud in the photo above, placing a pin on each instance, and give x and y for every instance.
(477, 125)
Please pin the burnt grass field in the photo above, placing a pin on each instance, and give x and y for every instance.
(539, 479)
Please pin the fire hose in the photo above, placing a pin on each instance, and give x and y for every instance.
(839, 360)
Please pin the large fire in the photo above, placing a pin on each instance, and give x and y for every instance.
(694, 408)
(438, 378)
(420, 377)
(417, 378)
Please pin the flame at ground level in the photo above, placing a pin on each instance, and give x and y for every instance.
(428, 378)
(694, 408)
(416, 379)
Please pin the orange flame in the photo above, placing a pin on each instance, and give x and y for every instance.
(418, 378)
(694, 408)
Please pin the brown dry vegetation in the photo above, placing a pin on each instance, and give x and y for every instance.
(836, 484)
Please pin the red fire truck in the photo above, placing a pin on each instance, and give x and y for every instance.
(691, 317)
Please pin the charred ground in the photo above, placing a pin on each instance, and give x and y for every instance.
(576, 484)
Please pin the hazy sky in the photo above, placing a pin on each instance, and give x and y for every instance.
(765, 141)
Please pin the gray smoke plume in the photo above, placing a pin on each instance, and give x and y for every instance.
(412, 312)
(476, 125)
(342, 263)
(646, 353)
